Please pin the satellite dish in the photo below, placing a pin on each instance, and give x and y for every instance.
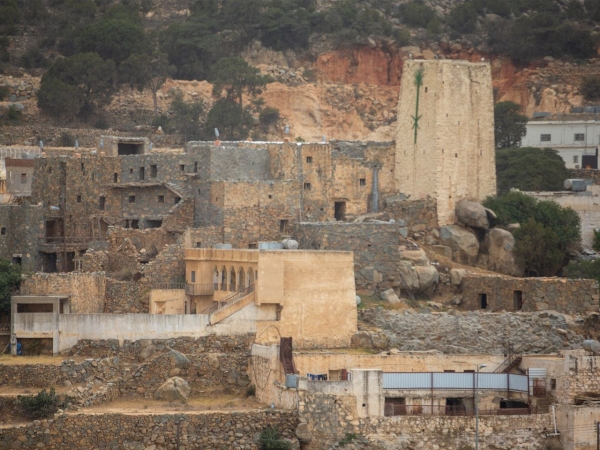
(217, 133)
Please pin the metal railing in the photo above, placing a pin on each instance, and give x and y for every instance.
(167, 286)
(435, 410)
(199, 289)
(512, 356)
(229, 300)
(456, 381)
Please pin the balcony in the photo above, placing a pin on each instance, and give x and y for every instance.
(199, 289)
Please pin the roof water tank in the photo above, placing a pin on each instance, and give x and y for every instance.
(575, 184)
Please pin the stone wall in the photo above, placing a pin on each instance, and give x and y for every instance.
(473, 331)
(87, 290)
(196, 431)
(375, 247)
(570, 296)
(22, 226)
(419, 216)
(582, 378)
(168, 267)
(126, 297)
(587, 174)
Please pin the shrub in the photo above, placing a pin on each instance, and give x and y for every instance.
(591, 88)
(14, 113)
(4, 91)
(40, 406)
(33, 58)
(271, 440)
(268, 116)
(416, 14)
(463, 18)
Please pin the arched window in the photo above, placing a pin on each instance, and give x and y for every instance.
(215, 278)
(223, 278)
(232, 280)
(250, 277)
(242, 283)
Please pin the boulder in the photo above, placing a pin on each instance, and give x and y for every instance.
(456, 276)
(463, 243)
(390, 296)
(178, 360)
(172, 390)
(290, 244)
(303, 434)
(358, 300)
(369, 339)
(428, 277)
(416, 257)
(499, 245)
(147, 352)
(409, 275)
(472, 214)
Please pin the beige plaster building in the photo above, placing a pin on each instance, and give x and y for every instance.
(306, 295)
(445, 137)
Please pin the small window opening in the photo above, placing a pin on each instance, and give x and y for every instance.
(553, 383)
(130, 170)
(153, 223)
(270, 196)
(193, 276)
(177, 200)
(283, 224)
(83, 167)
(195, 167)
(307, 186)
(49, 169)
(17, 260)
(198, 244)
(115, 177)
(518, 300)
(102, 203)
(362, 182)
(79, 199)
(132, 199)
(3, 231)
(161, 199)
(339, 210)
(23, 178)
(153, 171)
(142, 173)
(182, 167)
(483, 304)
(309, 159)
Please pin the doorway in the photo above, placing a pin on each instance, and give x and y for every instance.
(518, 300)
(483, 303)
(340, 210)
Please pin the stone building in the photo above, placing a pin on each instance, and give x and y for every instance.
(445, 138)
(19, 176)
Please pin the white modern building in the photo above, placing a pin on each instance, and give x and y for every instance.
(575, 137)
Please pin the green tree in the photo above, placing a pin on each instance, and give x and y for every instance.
(541, 221)
(590, 88)
(416, 14)
(81, 82)
(184, 118)
(236, 77)
(142, 70)
(10, 278)
(10, 16)
(509, 125)
(114, 39)
(270, 439)
(537, 249)
(463, 18)
(268, 116)
(530, 169)
(39, 406)
(233, 122)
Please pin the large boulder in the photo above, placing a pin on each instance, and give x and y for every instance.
(303, 434)
(175, 389)
(456, 276)
(390, 296)
(409, 275)
(499, 245)
(463, 243)
(428, 277)
(472, 214)
(178, 360)
(417, 257)
(369, 339)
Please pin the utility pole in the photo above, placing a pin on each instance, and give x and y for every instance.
(480, 366)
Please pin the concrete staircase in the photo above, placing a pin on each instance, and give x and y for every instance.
(230, 305)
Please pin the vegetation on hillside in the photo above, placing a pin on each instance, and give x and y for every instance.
(529, 169)
(548, 234)
(510, 125)
(10, 278)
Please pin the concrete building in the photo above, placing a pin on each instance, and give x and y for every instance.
(445, 138)
(576, 138)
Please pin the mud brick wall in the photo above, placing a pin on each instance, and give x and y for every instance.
(196, 431)
(86, 289)
(570, 296)
(23, 226)
(124, 297)
(375, 247)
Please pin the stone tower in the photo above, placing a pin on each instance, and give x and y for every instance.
(445, 136)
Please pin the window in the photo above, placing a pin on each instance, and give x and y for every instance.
(142, 173)
(82, 167)
(307, 186)
(362, 182)
(580, 136)
(193, 276)
(115, 177)
(3, 231)
(182, 167)
(23, 178)
(132, 199)
(198, 244)
(575, 159)
(153, 171)
(545, 137)
(518, 300)
(79, 199)
(309, 159)
(102, 203)
(552, 383)
(283, 224)
(49, 169)
(339, 209)
(161, 199)
(130, 170)
(177, 200)
(195, 167)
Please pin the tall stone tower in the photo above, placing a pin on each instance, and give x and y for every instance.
(445, 136)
